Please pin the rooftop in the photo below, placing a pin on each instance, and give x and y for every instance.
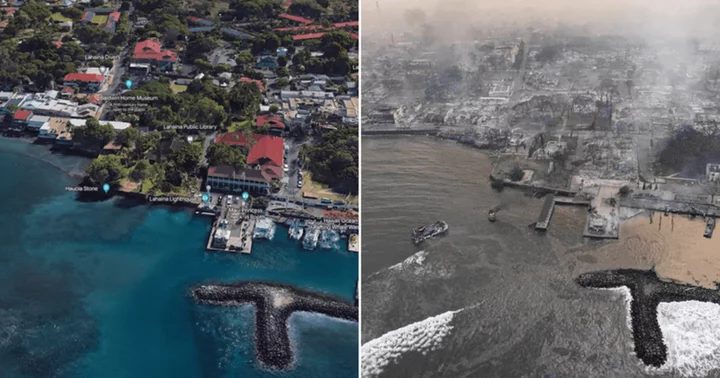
(299, 19)
(151, 49)
(225, 171)
(83, 77)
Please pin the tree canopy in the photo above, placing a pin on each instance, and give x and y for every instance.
(105, 169)
(224, 154)
(335, 160)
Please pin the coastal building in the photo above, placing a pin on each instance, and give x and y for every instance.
(117, 126)
(56, 128)
(229, 179)
(149, 53)
(37, 121)
(21, 119)
(265, 152)
(84, 82)
(712, 172)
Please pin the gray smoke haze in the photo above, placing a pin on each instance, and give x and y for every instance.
(460, 19)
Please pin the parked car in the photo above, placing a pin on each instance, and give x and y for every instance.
(300, 184)
(286, 168)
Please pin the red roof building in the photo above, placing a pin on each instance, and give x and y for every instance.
(150, 49)
(85, 78)
(355, 35)
(269, 120)
(10, 11)
(303, 37)
(95, 99)
(301, 28)
(299, 19)
(258, 82)
(267, 150)
(234, 139)
(272, 171)
(57, 44)
(22, 115)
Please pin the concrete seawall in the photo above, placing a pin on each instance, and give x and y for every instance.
(397, 131)
(274, 304)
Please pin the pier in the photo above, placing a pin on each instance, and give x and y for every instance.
(546, 213)
(549, 206)
(231, 238)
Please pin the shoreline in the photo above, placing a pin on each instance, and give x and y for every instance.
(647, 292)
(73, 174)
(274, 304)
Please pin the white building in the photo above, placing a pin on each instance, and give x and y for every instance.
(36, 122)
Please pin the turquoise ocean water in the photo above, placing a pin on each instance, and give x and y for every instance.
(100, 289)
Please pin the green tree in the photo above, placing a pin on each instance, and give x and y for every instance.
(128, 136)
(245, 99)
(223, 154)
(345, 40)
(274, 109)
(188, 157)
(105, 169)
(245, 59)
(141, 171)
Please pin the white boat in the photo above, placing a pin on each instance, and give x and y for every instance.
(264, 229)
(310, 241)
(295, 231)
(328, 239)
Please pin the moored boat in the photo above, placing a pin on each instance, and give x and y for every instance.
(310, 241)
(423, 233)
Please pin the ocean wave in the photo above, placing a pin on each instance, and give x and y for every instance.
(691, 331)
(416, 259)
(423, 337)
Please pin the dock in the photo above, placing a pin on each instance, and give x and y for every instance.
(546, 213)
(232, 238)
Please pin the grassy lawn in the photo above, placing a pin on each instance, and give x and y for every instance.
(147, 186)
(100, 19)
(319, 190)
(59, 17)
(177, 88)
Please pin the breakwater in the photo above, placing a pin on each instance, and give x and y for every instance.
(274, 304)
(647, 292)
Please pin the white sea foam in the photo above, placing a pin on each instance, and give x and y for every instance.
(416, 259)
(423, 337)
(691, 331)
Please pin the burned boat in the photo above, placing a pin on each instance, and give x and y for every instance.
(423, 233)
(709, 227)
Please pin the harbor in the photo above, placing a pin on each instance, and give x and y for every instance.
(237, 223)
